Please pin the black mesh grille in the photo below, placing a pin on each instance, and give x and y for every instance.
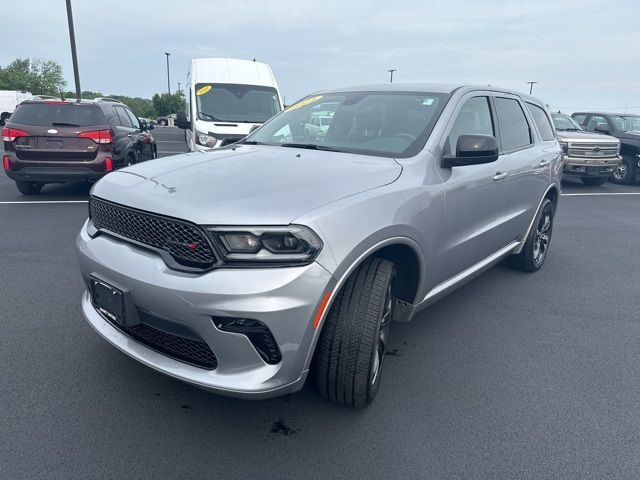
(195, 352)
(183, 241)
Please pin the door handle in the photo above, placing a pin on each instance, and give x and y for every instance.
(500, 176)
(544, 163)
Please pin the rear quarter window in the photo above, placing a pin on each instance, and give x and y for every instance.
(514, 128)
(44, 114)
(542, 121)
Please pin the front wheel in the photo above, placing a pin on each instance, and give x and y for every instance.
(536, 247)
(593, 181)
(354, 339)
(29, 188)
(625, 172)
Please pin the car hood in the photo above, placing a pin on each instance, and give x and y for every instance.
(569, 136)
(248, 185)
(630, 135)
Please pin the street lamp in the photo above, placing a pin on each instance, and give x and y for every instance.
(168, 82)
(74, 56)
(391, 72)
(178, 87)
(531, 86)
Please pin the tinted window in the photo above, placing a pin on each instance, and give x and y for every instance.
(390, 124)
(542, 122)
(565, 122)
(595, 121)
(514, 129)
(44, 114)
(133, 118)
(125, 121)
(579, 117)
(473, 119)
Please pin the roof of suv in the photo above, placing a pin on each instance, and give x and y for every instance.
(609, 114)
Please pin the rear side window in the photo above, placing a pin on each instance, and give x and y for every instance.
(61, 114)
(542, 122)
(514, 128)
(125, 121)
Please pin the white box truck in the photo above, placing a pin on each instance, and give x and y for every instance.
(9, 99)
(225, 99)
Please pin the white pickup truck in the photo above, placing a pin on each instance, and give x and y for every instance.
(9, 99)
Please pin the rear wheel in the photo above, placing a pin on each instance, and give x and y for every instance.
(593, 181)
(354, 339)
(536, 247)
(29, 188)
(625, 172)
(130, 160)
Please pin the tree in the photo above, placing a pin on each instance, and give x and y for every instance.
(166, 104)
(36, 76)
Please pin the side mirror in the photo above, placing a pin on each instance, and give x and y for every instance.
(473, 150)
(181, 120)
(602, 128)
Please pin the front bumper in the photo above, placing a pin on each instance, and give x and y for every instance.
(284, 299)
(590, 167)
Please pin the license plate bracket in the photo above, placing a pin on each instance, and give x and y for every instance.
(108, 300)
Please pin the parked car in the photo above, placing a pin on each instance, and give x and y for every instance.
(9, 100)
(626, 128)
(245, 269)
(317, 126)
(164, 120)
(57, 141)
(590, 156)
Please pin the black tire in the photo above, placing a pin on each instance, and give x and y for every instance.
(130, 160)
(593, 181)
(352, 345)
(29, 188)
(155, 153)
(625, 172)
(535, 250)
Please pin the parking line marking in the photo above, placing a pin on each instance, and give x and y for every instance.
(596, 194)
(42, 201)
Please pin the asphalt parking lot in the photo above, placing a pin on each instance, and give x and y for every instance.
(512, 376)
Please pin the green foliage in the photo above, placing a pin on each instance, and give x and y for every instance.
(35, 76)
(166, 104)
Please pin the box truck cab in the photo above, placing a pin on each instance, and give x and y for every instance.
(225, 99)
(9, 100)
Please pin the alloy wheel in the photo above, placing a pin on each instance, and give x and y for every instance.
(383, 335)
(543, 235)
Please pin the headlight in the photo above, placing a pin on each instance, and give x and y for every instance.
(266, 246)
(205, 139)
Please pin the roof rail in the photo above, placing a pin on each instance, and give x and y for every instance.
(106, 99)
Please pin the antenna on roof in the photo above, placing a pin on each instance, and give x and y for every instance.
(254, 59)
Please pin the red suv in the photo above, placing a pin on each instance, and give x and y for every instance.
(57, 141)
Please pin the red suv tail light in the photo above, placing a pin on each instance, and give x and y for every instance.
(5, 162)
(10, 134)
(108, 164)
(98, 136)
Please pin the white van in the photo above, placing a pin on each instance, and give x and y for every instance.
(226, 98)
(9, 99)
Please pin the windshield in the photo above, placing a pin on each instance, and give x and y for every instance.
(390, 124)
(227, 102)
(625, 123)
(564, 122)
(58, 113)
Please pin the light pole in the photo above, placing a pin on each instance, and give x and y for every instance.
(391, 72)
(74, 56)
(178, 87)
(531, 86)
(168, 82)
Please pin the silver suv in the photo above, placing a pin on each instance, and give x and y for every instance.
(242, 270)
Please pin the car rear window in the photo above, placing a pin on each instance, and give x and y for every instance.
(44, 114)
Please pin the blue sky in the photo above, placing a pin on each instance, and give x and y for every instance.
(584, 53)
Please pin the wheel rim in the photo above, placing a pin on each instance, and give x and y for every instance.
(383, 335)
(543, 236)
(620, 172)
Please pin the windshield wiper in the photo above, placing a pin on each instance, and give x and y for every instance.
(202, 114)
(64, 124)
(311, 146)
(251, 142)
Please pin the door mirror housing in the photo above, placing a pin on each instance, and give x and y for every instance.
(473, 150)
(602, 128)
(144, 125)
(181, 120)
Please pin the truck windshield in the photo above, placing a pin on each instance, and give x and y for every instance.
(565, 122)
(226, 102)
(388, 124)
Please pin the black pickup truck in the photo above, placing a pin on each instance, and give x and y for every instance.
(624, 126)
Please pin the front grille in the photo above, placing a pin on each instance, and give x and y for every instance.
(591, 150)
(193, 350)
(183, 242)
